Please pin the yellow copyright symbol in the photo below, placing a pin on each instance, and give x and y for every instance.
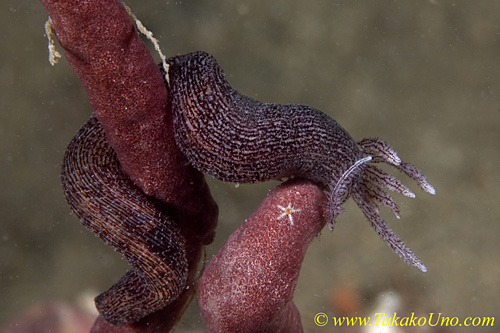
(321, 319)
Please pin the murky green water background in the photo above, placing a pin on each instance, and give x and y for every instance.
(423, 75)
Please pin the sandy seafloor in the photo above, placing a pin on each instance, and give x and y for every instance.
(423, 75)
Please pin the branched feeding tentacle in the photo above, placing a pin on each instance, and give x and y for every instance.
(415, 174)
(380, 150)
(370, 210)
(339, 192)
(376, 175)
(370, 189)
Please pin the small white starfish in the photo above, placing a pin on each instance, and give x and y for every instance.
(288, 211)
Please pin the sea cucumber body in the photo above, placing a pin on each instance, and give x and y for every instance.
(237, 139)
(139, 227)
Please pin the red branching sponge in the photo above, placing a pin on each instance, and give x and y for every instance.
(248, 286)
(128, 94)
(129, 97)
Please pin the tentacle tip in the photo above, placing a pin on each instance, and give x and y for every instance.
(429, 189)
(334, 210)
(421, 267)
(412, 260)
(409, 194)
(331, 226)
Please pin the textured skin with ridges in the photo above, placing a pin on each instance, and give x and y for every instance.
(238, 139)
(137, 226)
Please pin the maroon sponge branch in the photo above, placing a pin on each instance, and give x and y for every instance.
(248, 286)
(129, 97)
(127, 93)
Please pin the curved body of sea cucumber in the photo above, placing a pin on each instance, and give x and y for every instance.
(238, 139)
(111, 206)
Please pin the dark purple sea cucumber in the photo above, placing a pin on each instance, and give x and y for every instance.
(237, 139)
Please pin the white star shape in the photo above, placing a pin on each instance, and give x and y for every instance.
(288, 211)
